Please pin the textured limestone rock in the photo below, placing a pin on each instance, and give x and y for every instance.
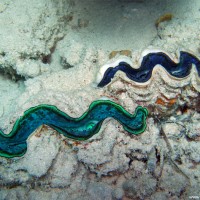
(140, 187)
(173, 38)
(172, 181)
(15, 194)
(30, 34)
(112, 164)
(41, 152)
(64, 167)
(99, 191)
(46, 195)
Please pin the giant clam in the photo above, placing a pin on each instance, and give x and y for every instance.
(161, 82)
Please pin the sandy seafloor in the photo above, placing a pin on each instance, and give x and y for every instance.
(50, 52)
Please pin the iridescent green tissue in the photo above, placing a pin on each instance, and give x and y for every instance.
(15, 143)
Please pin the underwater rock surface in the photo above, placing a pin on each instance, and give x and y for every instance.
(29, 34)
(54, 50)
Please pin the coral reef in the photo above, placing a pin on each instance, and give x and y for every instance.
(27, 52)
(52, 50)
